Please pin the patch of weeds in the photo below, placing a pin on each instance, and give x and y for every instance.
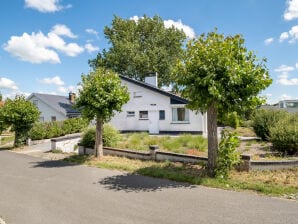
(56, 151)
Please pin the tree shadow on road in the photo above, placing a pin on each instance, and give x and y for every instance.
(138, 183)
(69, 161)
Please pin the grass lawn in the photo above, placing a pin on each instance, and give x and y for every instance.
(277, 183)
(186, 144)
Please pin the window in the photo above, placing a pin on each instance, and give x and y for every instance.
(137, 94)
(162, 115)
(143, 115)
(53, 118)
(180, 114)
(130, 113)
(292, 104)
(35, 102)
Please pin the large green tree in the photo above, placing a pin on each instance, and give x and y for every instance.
(100, 97)
(20, 114)
(219, 75)
(141, 47)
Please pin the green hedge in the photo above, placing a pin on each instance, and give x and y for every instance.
(263, 120)
(284, 135)
(111, 137)
(57, 128)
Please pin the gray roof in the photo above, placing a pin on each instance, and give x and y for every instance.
(61, 104)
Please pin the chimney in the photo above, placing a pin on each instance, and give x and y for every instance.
(72, 97)
(151, 79)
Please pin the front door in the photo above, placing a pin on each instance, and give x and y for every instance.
(153, 122)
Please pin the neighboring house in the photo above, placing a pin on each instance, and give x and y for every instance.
(156, 111)
(54, 107)
(289, 105)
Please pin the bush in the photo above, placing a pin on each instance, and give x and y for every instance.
(263, 120)
(111, 137)
(57, 128)
(230, 119)
(227, 154)
(284, 135)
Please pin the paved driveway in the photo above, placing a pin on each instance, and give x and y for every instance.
(36, 191)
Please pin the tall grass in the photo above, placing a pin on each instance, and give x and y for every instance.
(177, 144)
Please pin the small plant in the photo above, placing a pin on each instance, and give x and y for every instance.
(56, 151)
(227, 155)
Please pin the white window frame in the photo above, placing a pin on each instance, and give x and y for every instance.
(175, 120)
(143, 118)
(130, 114)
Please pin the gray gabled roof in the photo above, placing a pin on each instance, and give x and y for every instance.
(61, 104)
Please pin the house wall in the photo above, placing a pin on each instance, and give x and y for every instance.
(153, 101)
(46, 111)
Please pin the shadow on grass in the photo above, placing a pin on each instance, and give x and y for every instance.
(70, 161)
(141, 180)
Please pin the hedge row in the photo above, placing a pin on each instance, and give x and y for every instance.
(279, 127)
(54, 129)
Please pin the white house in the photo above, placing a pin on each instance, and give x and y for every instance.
(156, 111)
(54, 107)
(289, 105)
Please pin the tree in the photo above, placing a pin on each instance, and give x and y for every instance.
(101, 95)
(20, 114)
(219, 75)
(141, 47)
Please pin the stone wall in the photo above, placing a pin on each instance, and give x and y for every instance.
(66, 143)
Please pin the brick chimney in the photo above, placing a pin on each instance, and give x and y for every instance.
(72, 97)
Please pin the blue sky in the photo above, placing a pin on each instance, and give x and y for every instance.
(45, 44)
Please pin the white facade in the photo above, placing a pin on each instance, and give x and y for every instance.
(142, 113)
(47, 113)
(289, 105)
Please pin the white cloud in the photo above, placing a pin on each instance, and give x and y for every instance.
(91, 48)
(45, 5)
(284, 80)
(56, 80)
(283, 36)
(189, 32)
(6, 83)
(92, 31)
(63, 89)
(291, 11)
(62, 30)
(285, 97)
(296, 65)
(39, 48)
(284, 68)
(292, 35)
(269, 41)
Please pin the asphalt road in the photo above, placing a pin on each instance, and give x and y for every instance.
(35, 191)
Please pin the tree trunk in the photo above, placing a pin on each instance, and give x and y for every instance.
(98, 152)
(212, 139)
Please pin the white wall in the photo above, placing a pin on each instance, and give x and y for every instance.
(153, 101)
(47, 112)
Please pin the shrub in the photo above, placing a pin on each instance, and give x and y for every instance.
(230, 119)
(88, 139)
(263, 120)
(227, 154)
(284, 135)
(38, 131)
(57, 128)
(111, 137)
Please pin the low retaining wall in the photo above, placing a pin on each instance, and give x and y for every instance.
(247, 164)
(153, 154)
(66, 143)
(36, 142)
